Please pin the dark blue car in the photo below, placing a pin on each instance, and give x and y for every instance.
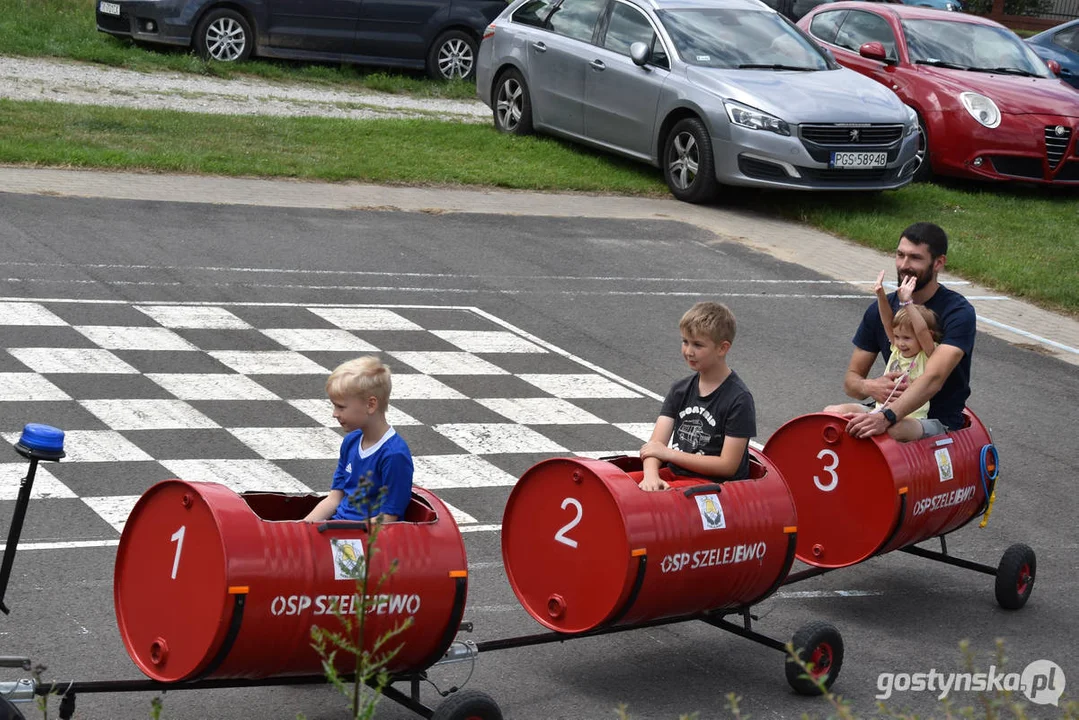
(440, 36)
(1061, 44)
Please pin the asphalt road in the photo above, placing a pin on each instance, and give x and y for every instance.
(611, 293)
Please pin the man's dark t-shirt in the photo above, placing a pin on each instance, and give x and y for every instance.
(957, 322)
(700, 423)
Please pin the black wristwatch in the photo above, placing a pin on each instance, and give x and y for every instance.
(889, 416)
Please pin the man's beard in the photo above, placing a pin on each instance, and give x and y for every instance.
(920, 281)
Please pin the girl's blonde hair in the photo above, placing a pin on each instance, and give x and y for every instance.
(902, 319)
(365, 376)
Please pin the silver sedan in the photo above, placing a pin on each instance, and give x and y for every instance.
(712, 91)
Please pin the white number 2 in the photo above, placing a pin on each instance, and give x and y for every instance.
(178, 538)
(830, 469)
(560, 536)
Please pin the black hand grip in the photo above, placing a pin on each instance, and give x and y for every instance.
(699, 489)
(343, 525)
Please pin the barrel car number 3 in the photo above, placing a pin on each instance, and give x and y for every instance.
(560, 536)
(828, 468)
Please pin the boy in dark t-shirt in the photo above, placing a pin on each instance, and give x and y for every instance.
(707, 419)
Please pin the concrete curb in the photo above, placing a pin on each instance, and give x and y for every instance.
(1014, 321)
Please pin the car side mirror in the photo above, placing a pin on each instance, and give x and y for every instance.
(874, 51)
(640, 54)
(1054, 67)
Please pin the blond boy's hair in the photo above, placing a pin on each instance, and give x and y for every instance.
(364, 377)
(710, 319)
(902, 319)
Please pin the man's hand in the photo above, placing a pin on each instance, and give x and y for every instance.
(653, 449)
(906, 289)
(867, 425)
(652, 483)
(881, 389)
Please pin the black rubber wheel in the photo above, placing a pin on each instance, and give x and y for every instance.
(512, 104)
(452, 56)
(924, 173)
(468, 705)
(820, 646)
(688, 162)
(8, 710)
(225, 36)
(1015, 576)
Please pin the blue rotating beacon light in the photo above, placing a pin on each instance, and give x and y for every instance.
(38, 442)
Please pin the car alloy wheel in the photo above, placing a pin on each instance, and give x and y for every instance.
(689, 165)
(224, 35)
(512, 105)
(684, 160)
(455, 59)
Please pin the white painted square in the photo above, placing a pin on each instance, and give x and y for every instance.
(131, 414)
(421, 387)
(24, 387)
(280, 443)
(269, 362)
(641, 431)
(585, 385)
(540, 411)
(319, 340)
(240, 475)
(23, 313)
(448, 363)
(365, 319)
(95, 446)
(321, 411)
(460, 516)
(72, 360)
(195, 317)
(491, 438)
(119, 337)
(439, 472)
(211, 386)
(488, 341)
(114, 509)
(45, 483)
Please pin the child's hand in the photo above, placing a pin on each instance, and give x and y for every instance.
(906, 288)
(879, 287)
(653, 483)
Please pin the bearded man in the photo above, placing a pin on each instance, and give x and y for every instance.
(945, 384)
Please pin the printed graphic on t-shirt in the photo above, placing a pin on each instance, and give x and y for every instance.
(696, 429)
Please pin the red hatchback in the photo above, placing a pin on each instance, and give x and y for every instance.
(989, 107)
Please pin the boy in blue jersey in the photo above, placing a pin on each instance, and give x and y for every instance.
(371, 452)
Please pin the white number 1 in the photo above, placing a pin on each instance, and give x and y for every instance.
(178, 538)
(560, 536)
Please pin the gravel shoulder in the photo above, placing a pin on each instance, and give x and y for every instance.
(84, 84)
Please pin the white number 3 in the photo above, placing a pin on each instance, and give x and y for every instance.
(560, 536)
(830, 469)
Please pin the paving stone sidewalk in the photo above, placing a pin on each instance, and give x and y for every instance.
(1015, 321)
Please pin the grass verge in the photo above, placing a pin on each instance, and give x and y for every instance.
(1021, 241)
(68, 29)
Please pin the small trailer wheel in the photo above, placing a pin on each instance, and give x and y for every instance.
(1015, 576)
(8, 711)
(820, 646)
(468, 705)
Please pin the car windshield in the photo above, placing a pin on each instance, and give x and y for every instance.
(722, 38)
(967, 46)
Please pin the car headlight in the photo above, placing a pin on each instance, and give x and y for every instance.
(912, 121)
(981, 108)
(755, 119)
